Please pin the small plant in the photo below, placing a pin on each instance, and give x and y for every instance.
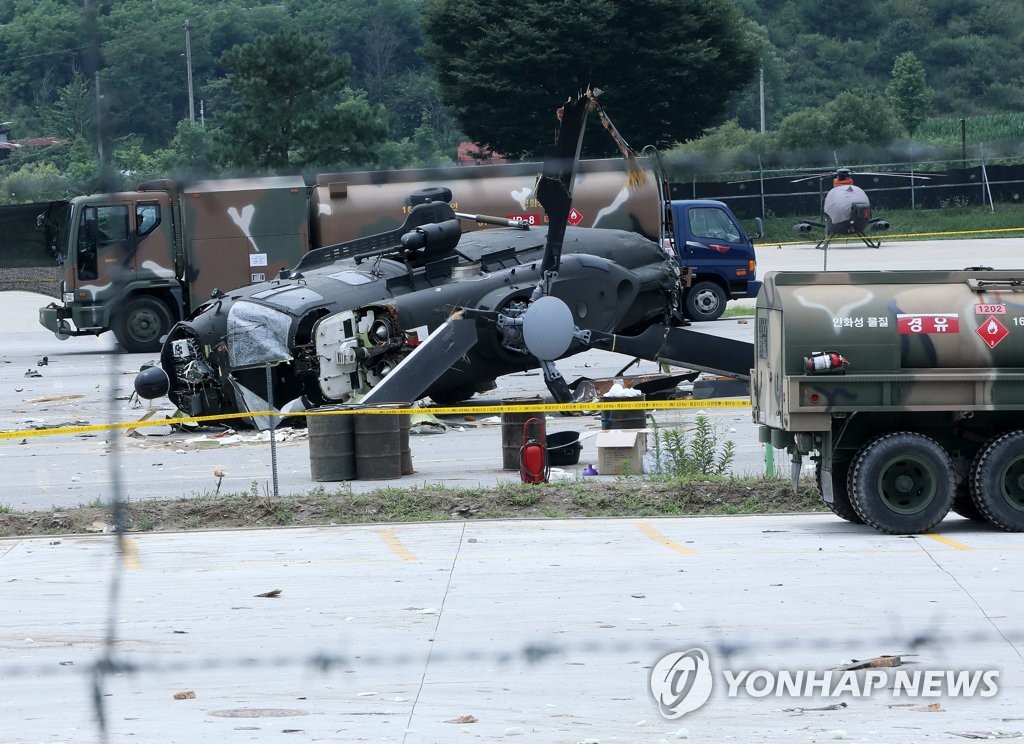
(700, 453)
(283, 513)
(524, 497)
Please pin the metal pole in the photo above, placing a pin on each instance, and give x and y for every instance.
(99, 115)
(760, 170)
(273, 426)
(762, 100)
(188, 62)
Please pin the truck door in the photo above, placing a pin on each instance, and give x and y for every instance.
(103, 243)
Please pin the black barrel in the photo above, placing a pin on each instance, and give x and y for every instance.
(378, 445)
(512, 429)
(331, 445)
(636, 419)
(404, 424)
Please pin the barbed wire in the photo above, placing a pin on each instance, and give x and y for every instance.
(529, 654)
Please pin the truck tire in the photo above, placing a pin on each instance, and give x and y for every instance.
(705, 301)
(963, 504)
(902, 483)
(997, 481)
(141, 324)
(840, 505)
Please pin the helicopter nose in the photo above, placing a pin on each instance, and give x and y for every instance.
(151, 383)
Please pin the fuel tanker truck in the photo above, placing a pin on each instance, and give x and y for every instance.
(906, 388)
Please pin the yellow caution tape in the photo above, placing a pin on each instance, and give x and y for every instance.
(897, 236)
(623, 405)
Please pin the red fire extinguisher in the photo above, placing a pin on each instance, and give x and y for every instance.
(533, 455)
(826, 363)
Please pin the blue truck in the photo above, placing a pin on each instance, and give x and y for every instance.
(709, 240)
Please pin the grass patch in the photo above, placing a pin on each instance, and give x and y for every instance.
(953, 221)
(636, 496)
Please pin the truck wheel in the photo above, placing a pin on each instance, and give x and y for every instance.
(997, 481)
(141, 324)
(963, 504)
(840, 505)
(902, 483)
(705, 301)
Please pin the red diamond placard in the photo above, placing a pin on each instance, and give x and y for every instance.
(992, 331)
(575, 217)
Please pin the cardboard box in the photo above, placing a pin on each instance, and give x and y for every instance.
(621, 451)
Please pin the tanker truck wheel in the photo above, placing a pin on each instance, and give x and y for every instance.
(902, 483)
(963, 504)
(840, 505)
(141, 324)
(705, 301)
(997, 481)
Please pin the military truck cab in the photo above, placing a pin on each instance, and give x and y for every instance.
(138, 262)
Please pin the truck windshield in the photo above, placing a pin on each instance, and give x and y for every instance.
(710, 222)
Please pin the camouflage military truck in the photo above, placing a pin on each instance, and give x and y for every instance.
(138, 262)
(906, 389)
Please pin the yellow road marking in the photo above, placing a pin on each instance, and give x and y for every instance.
(949, 542)
(391, 540)
(130, 554)
(650, 531)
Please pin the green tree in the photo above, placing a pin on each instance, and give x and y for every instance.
(667, 67)
(908, 92)
(851, 118)
(42, 46)
(290, 106)
(34, 182)
(189, 152)
(73, 114)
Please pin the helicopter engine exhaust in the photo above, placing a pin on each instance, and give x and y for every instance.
(802, 227)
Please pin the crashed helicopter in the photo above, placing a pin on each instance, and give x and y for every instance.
(427, 310)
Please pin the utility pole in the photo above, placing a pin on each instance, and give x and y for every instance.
(761, 86)
(188, 62)
(99, 114)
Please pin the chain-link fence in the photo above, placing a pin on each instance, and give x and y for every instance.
(897, 185)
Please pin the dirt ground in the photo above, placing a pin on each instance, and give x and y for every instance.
(628, 497)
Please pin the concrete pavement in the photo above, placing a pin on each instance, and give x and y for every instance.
(397, 633)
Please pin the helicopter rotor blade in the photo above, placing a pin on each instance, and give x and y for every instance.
(896, 175)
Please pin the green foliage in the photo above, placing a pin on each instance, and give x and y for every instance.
(35, 182)
(985, 129)
(290, 107)
(73, 114)
(850, 118)
(908, 91)
(188, 152)
(691, 64)
(678, 454)
(504, 81)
